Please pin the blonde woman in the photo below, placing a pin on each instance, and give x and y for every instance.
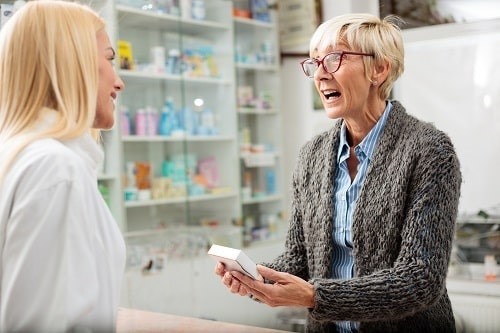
(62, 254)
(375, 198)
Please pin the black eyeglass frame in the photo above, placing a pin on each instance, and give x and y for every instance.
(320, 61)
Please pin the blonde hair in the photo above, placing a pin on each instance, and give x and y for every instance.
(48, 60)
(368, 34)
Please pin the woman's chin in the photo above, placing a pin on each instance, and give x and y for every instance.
(103, 125)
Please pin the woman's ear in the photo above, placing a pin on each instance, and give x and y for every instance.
(380, 72)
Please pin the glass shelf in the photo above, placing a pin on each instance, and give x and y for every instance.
(177, 200)
(138, 18)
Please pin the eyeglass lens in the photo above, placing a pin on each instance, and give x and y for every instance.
(331, 63)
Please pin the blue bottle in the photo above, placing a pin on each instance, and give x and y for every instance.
(270, 182)
(167, 121)
(189, 121)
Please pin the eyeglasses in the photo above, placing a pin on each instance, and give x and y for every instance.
(331, 62)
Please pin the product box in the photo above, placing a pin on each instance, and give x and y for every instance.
(260, 10)
(235, 260)
(125, 54)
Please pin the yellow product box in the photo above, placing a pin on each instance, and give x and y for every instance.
(125, 54)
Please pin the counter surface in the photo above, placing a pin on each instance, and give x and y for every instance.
(130, 320)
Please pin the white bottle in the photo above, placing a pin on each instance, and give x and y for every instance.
(198, 11)
(208, 122)
(185, 9)
(490, 267)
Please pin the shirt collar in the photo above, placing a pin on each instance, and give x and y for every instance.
(364, 146)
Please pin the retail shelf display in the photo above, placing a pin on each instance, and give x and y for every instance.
(177, 126)
(199, 82)
(259, 124)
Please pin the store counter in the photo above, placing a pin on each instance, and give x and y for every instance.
(130, 320)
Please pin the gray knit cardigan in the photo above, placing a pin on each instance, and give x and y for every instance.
(403, 228)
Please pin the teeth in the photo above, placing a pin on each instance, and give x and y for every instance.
(331, 94)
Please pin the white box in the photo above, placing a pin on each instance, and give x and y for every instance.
(235, 260)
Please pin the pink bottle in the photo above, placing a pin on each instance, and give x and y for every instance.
(124, 121)
(141, 122)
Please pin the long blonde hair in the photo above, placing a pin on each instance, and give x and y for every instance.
(48, 60)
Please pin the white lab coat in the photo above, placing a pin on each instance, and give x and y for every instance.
(62, 253)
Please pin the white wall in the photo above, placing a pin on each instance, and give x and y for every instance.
(452, 80)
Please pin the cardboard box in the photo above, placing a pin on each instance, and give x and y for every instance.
(235, 260)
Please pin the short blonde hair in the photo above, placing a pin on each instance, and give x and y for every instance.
(48, 60)
(368, 34)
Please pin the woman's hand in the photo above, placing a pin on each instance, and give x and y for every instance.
(233, 284)
(287, 289)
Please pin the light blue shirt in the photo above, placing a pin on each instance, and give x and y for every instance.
(345, 197)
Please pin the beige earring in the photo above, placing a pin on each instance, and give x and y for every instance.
(375, 83)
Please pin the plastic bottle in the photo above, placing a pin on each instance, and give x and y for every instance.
(166, 118)
(174, 61)
(490, 267)
(189, 121)
(140, 122)
(151, 121)
(207, 123)
(198, 10)
(124, 120)
(270, 182)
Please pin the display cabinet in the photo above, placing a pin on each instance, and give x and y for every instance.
(477, 241)
(198, 139)
(474, 276)
(259, 122)
(177, 133)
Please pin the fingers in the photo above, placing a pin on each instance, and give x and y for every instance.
(234, 285)
(220, 269)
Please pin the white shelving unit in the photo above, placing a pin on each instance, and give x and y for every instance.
(475, 296)
(475, 238)
(148, 87)
(259, 125)
(246, 56)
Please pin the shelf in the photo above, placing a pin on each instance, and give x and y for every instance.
(477, 220)
(248, 22)
(257, 67)
(142, 19)
(177, 200)
(142, 76)
(159, 138)
(257, 111)
(259, 160)
(263, 199)
(257, 70)
(469, 278)
(106, 177)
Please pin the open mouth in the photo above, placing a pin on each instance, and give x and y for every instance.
(330, 95)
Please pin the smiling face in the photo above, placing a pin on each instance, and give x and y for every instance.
(347, 92)
(109, 83)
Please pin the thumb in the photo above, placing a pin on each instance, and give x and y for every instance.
(268, 273)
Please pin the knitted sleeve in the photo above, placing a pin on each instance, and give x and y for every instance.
(407, 217)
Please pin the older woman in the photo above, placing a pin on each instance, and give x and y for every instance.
(374, 199)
